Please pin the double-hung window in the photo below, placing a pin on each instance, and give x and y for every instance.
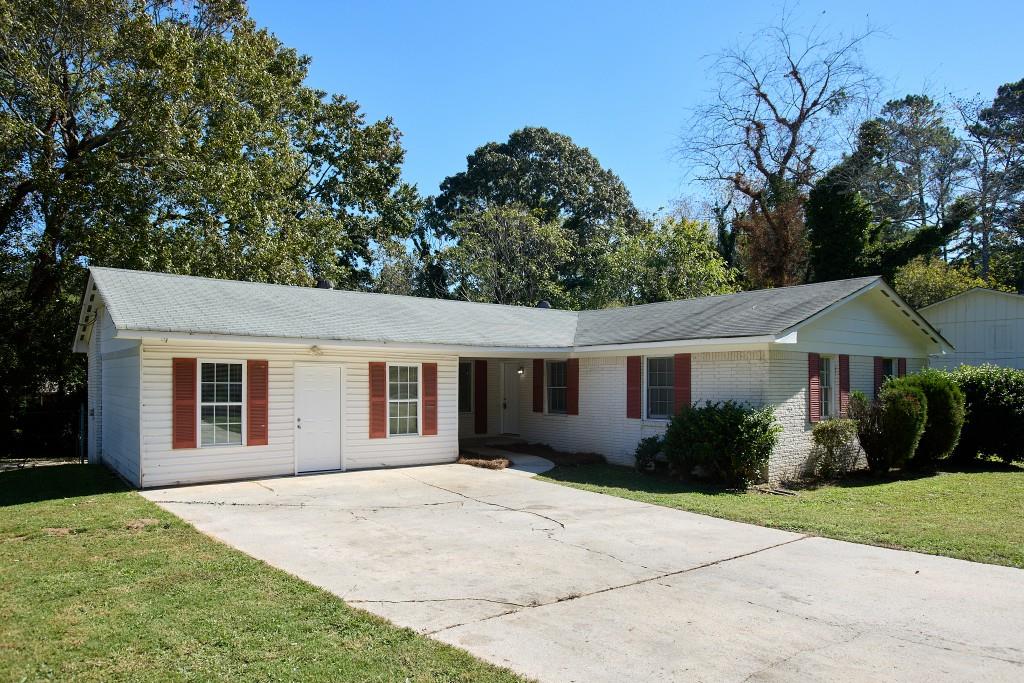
(465, 387)
(660, 387)
(889, 368)
(825, 374)
(557, 392)
(220, 407)
(403, 399)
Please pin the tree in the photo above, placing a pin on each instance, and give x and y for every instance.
(994, 146)
(777, 109)
(916, 164)
(839, 221)
(924, 282)
(676, 259)
(172, 136)
(507, 254)
(556, 180)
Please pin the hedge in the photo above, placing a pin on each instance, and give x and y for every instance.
(890, 428)
(946, 409)
(994, 424)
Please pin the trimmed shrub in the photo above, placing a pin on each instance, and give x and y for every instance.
(835, 448)
(647, 453)
(890, 428)
(946, 409)
(904, 412)
(995, 412)
(726, 442)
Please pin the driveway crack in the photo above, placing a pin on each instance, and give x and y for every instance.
(638, 582)
(429, 600)
(487, 502)
(802, 651)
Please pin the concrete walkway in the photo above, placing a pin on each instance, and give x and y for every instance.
(566, 585)
(522, 463)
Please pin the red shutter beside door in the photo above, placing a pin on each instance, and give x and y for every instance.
(480, 396)
(572, 388)
(844, 385)
(429, 399)
(814, 387)
(378, 400)
(633, 384)
(538, 385)
(903, 367)
(183, 403)
(257, 403)
(879, 374)
(683, 382)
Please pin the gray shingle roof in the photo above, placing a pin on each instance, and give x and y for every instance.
(159, 302)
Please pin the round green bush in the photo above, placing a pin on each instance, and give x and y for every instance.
(890, 427)
(647, 453)
(727, 442)
(995, 412)
(946, 410)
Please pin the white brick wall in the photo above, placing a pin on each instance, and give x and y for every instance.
(757, 378)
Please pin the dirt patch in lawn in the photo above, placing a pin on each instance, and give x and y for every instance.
(141, 523)
(560, 458)
(494, 463)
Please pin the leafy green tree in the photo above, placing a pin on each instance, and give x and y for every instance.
(676, 259)
(923, 282)
(839, 221)
(556, 180)
(994, 144)
(507, 254)
(174, 136)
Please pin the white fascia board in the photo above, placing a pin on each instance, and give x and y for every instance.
(156, 336)
(91, 300)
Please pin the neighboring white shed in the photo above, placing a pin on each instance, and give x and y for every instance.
(984, 325)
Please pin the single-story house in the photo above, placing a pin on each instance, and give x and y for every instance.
(194, 379)
(985, 326)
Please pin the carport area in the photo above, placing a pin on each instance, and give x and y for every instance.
(566, 585)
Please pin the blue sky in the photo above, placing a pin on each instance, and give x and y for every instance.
(618, 77)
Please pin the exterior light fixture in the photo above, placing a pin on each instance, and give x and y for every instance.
(520, 370)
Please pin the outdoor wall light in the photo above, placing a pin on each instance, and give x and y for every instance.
(520, 370)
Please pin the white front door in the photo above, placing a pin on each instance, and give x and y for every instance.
(317, 418)
(510, 378)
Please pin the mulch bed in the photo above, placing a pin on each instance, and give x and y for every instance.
(493, 463)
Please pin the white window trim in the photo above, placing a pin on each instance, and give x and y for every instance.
(644, 391)
(547, 387)
(833, 388)
(199, 402)
(419, 399)
(472, 386)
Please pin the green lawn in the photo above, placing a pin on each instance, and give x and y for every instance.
(975, 515)
(99, 584)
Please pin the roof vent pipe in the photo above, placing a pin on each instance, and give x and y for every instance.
(543, 303)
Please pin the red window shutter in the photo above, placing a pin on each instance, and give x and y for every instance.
(430, 399)
(538, 385)
(183, 403)
(683, 382)
(480, 396)
(633, 384)
(572, 388)
(879, 374)
(844, 385)
(903, 367)
(378, 400)
(257, 403)
(814, 387)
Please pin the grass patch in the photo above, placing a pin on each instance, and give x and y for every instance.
(100, 584)
(971, 514)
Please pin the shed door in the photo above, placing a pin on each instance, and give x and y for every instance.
(317, 418)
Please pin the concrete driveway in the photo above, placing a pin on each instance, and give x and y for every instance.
(566, 585)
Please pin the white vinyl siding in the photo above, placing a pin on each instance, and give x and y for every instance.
(165, 466)
(116, 408)
(984, 326)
